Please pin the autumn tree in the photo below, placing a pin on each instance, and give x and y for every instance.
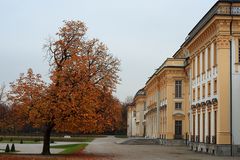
(79, 97)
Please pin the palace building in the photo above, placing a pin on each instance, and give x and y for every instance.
(193, 97)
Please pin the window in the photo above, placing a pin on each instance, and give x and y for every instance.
(215, 86)
(193, 68)
(178, 89)
(198, 65)
(198, 92)
(215, 124)
(198, 125)
(215, 55)
(203, 90)
(203, 129)
(209, 89)
(209, 124)
(194, 125)
(193, 94)
(239, 51)
(203, 62)
(209, 58)
(178, 106)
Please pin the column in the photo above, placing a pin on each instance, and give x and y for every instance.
(223, 61)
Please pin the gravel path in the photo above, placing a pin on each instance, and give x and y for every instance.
(110, 148)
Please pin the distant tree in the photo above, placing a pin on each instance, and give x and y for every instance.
(128, 100)
(79, 97)
(2, 94)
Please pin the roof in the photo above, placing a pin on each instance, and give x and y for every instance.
(140, 92)
(215, 10)
(169, 63)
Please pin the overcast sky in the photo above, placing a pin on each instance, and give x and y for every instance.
(142, 33)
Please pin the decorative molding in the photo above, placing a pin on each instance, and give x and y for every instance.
(223, 42)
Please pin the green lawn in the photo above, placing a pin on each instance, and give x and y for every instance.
(121, 136)
(18, 142)
(70, 148)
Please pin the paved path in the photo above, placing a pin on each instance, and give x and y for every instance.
(108, 147)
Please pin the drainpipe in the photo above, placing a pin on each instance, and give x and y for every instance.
(231, 126)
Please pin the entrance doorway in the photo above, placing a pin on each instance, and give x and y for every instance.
(178, 130)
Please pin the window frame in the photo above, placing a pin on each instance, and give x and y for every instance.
(178, 89)
(238, 50)
(209, 57)
(215, 86)
(209, 88)
(177, 104)
(203, 62)
(203, 91)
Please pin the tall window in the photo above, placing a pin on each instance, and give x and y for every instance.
(209, 88)
(178, 106)
(215, 55)
(145, 106)
(203, 131)
(194, 125)
(215, 124)
(178, 89)
(198, 92)
(239, 51)
(203, 90)
(194, 95)
(209, 58)
(134, 113)
(209, 124)
(203, 62)
(198, 126)
(198, 65)
(193, 68)
(215, 86)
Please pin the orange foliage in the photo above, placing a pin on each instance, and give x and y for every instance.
(79, 97)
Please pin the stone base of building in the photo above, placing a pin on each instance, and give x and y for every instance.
(173, 142)
(215, 149)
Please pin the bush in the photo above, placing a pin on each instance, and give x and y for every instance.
(13, 148)
(21, 141)
(1, 138)
(7, 148)
(11, 139)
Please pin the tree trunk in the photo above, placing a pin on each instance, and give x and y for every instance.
(46, 140)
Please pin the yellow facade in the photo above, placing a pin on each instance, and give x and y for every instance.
(206, 70)
(165, 105)
(136, 120)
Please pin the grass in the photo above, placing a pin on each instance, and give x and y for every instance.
(18, 142)
(70, 148)
(121, 136)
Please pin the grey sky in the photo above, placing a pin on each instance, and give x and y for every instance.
(142, 33)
